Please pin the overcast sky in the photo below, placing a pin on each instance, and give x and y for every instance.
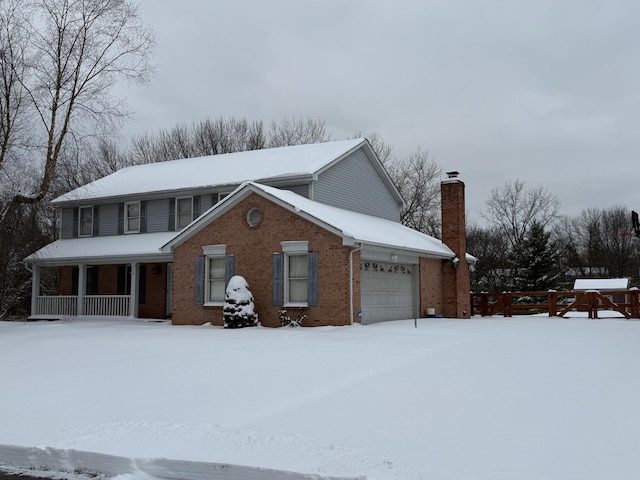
(547, 92)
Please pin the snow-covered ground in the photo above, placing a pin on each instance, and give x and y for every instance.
(487, 398)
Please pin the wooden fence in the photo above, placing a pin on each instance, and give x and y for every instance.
(556, 304)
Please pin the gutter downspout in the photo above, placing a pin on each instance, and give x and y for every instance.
(353, 250)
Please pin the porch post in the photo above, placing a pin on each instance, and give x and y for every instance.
(133, 294)
(35, 287)
(82, 287)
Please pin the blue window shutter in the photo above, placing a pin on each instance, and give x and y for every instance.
(120, 218)
(96, 220)
(277, 277)
(229, 269)
(143, 216)
(312, 281)
(198, 286)
(75, 221)
(196, 207)
(172, 214)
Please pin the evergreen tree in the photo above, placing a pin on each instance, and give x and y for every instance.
(536, 261)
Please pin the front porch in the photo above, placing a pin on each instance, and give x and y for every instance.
(135, 290)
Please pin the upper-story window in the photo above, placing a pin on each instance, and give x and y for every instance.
(184, 212)
(85, 221)
(132, 217)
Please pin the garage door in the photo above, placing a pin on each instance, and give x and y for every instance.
(388, 291)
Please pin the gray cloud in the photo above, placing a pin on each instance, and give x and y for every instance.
(543, 91)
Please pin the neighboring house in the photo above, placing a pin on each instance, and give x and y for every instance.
(311, 226)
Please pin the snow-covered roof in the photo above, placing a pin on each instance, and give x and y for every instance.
(354, 227)
(601, 284)
(215, 170)
(112, 248)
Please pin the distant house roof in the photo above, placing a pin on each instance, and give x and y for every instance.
(355, 228)
(231, 169)
(601, 284)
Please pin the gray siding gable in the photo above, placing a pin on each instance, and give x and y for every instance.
(355, 184)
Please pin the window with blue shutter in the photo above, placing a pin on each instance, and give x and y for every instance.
(172, 214)
(96, 220)
(120, 218)
(312, 286)
(198, 288)
(277, 277)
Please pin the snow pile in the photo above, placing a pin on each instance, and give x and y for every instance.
(487, 398)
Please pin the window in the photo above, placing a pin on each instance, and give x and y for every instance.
(295, 275)
(297, 278)
(216, 269)
(132, 217)
(184, 212)
(85, 221)
(215, 273)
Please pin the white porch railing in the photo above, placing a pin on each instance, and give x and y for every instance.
(61, 305)
(58, 305)
(117, 305)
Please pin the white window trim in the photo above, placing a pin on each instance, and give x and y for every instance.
(211, 251)
(126, 218)
(80, 221)
(178, 228)
(293, 248)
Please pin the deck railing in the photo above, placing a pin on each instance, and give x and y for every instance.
(556, 304)
(63, 305)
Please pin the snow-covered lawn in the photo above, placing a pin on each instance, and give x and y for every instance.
(487, 398)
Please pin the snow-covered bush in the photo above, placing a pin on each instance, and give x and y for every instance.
(287, 321)
(238, 308)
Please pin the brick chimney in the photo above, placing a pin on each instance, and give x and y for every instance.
(456, 283)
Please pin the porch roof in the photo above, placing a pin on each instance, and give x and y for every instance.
(104, 250)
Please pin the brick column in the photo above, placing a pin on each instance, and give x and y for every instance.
(456, 283)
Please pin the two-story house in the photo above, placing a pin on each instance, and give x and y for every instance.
(310, 226)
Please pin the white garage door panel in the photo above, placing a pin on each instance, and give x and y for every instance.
(387, 291)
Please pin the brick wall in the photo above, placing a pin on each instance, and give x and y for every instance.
(456, 281)
(252, 248)
(430, 285)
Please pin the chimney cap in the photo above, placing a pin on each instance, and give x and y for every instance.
(453, 174)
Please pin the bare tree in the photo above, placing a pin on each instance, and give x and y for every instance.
(63, 77)
(417, 178)
(297, 131)
(513, 209)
